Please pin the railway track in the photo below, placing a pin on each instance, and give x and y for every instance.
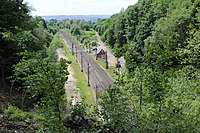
(99, 80)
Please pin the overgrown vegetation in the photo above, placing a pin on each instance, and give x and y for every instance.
(29, 68)
(81, 31)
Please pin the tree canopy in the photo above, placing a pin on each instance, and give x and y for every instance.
(159, 40)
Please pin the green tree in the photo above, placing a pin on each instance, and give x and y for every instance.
(14, 16)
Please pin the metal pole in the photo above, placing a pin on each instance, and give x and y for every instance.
(118, 68)
(96, 52)
(72, 49)
(96, 97)
(88, 74)
(81, 62)
(106, 60)
(76, 54)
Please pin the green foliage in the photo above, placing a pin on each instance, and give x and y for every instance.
(78, 120)
(10, 11)
(29, 60)
(81, 30)
(50, 83)
(161, 48)
(117, 116)
(151, 31)
(52, 26)
(43, 80)
(170, 102)
(75, 31)
(15, 114)
(11, 26)
(1, 97)
(20, 34)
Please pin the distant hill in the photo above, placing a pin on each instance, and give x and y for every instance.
(85, 17)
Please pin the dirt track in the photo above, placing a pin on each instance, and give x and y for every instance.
(73, 93)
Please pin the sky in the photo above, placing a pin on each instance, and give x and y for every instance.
(78, 7)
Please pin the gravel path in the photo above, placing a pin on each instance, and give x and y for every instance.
(73, 93)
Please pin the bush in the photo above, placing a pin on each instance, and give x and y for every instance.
(1, 110)
(16, 114)
(1, 97)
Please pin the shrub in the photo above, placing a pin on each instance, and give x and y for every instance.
(16, 114)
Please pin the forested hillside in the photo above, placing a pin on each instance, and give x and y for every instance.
(161, 90)
(31, 79)
(162, 31)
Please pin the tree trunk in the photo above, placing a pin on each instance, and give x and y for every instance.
(3, 78)
(23, 97)
(11, 88)
(140, 94)
(59, 112)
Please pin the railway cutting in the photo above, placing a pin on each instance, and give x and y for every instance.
(98, 79)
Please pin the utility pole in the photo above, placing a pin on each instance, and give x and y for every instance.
(81, 62)
(106, 60)
(96, 52)
(96, 97)
(88, 74)
(118, 67)
(76, 54)
(72, 49)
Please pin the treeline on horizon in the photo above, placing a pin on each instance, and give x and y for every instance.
(158, 91)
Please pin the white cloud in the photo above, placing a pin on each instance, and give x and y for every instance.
(78, 7)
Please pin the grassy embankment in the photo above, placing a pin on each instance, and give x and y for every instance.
(81, 81)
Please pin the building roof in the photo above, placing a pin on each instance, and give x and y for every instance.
(100, 50)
